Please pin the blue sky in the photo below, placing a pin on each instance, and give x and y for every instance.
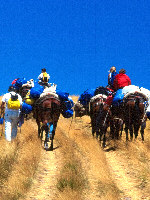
(77, 41)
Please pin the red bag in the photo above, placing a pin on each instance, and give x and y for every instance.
(109, 100)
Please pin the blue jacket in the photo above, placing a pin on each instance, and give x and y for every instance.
(111, 78)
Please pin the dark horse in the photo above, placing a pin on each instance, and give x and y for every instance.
(109, 115)
(135, 105)
(99, 112)
(96, 106)
(46, 112)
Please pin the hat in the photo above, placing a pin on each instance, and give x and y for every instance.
(112, 69)
(43, 70)
(122, 71)
(11, 88)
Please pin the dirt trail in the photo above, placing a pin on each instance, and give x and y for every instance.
(44, 184)
(99, 166)
(123, 174)
(92, 159)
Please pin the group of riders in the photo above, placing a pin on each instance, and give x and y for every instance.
(117, 104)
(12, 101)
(117, 81)
(12, 104)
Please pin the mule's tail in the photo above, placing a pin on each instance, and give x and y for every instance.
(137, 108)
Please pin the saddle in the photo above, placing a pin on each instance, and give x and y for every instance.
(47, 97)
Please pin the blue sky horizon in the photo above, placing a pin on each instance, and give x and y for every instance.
(76, 41)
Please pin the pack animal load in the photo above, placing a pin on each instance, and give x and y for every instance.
(86, 96)
(124, 93)
(13, 102)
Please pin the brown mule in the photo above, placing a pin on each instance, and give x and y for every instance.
(46, 112)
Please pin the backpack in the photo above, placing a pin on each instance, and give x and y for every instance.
(86, 96)
(45, 77)
(13, 102)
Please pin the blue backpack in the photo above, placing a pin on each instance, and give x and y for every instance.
(86, 96)
(36, 91)
(26, 108)
(63, 96)
(68, 113)
(20, 82)
(118, 98)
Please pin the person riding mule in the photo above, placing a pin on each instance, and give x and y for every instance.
(121, 80)
(112, 114)
(117, 107)
(44, 78)
(111, 76)
(46, 112)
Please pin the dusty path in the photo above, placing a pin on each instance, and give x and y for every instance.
(93, 161)
(44, 184)
(122, 176)
(111, 175)
(125, 171)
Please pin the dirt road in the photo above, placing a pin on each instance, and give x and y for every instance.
(121, 171)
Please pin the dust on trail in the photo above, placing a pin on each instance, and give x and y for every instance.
(110, 174)
(92, 159)
(122, 172)
(122, 177)
(44, 184)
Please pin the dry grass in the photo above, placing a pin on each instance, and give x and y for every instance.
(71, 180)
(93, 170)
(19, 160)
(135, 155)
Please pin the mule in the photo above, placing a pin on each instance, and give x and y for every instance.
(102, 123)
(46, 111)
(135, 114)
(109, 116)
(117, 120)
(95, 107)
(80, 110)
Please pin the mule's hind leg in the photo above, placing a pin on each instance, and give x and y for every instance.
(51, 130)
(39, 130)
(136, 129)
(104, 137)
(143, 126)
(52, 134)
(126, 131)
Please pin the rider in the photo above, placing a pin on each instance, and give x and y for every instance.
(44, 78)
(111, 76)
(121, 80)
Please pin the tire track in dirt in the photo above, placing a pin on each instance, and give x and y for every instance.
(93, 161)
(120, 172)
(44, 183)
(109, 176)
(126, 167)
(122, 175)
